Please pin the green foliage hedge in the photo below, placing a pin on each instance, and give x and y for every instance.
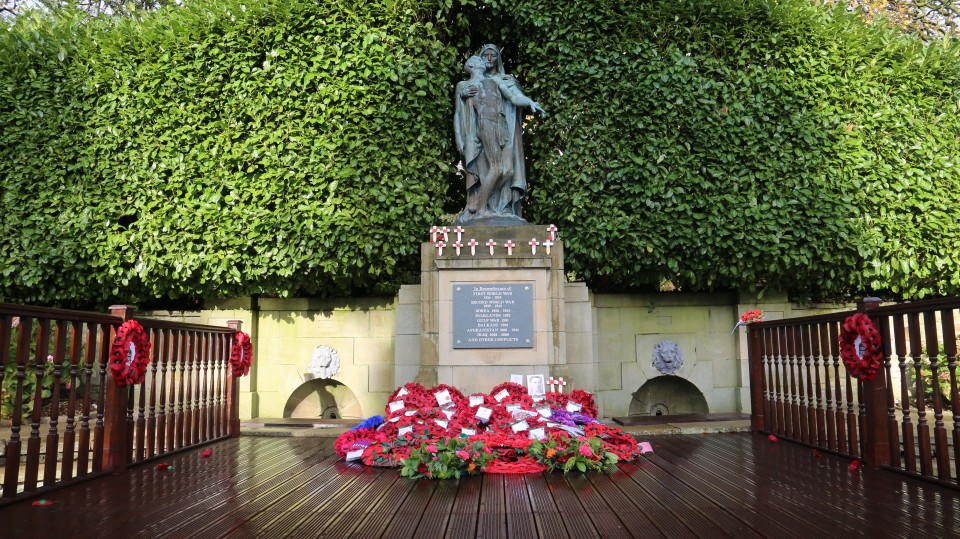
(223, 149)
(290, 147)
(729, 144)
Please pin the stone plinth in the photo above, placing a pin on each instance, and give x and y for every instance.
(448, 273)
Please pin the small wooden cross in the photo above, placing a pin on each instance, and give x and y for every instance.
(552, 230)
(473, 247)
(548, 244)
(459, 231)
(491, 244)
(533, 245)
(560, 384)
(440, 246)
(509, 245)
(457, 246)
(433, 234)
(446, 233)
(552, 383)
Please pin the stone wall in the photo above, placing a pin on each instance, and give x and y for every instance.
(628, 327)
(609, 341)
(286, 332)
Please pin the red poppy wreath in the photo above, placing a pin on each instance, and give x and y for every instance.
(129, 354)
(241, 354)
(860, 347)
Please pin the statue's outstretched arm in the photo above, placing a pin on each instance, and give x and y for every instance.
(524, 101)
(512, 92)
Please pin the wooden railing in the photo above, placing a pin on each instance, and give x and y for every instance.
(902, 420)
(54, 374)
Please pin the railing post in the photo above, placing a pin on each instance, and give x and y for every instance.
(116, 433)
(233, 392)
(876, 442)
(754, 353)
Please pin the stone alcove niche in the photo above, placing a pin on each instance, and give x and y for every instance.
(668, 395)
(323, 398)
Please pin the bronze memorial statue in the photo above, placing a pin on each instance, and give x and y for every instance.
(487, 122)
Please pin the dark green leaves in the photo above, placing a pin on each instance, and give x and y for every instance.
(222, 149)
(228, 148)
(720, 145)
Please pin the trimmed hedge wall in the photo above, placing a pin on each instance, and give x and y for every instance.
(731, 144)
(288, 148)
(224, 149)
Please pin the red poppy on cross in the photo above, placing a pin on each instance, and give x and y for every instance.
(440, 246)
(457, 246)
(533, 245)
(433, 234)
(446, 233)
(459, 231)
(560, 384)
(491, 244)
(473, 247)
(552, 229)
(509, 245)
(552, 383)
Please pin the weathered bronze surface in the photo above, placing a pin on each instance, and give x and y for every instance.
(488, 127)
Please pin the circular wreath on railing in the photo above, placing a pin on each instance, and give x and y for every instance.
(241, 354)
(860, 347)
(129, 354)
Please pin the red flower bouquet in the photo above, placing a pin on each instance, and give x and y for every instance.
(524, 401)
(428, 439)
(455, 395)
(555, 399)
(588, 405)
(354, 440)
(749, 317)
(405, 389)
(510, 387)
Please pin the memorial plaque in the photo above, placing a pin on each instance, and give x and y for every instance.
(498, 315)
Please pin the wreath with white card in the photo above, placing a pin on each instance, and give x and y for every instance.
(129, 354)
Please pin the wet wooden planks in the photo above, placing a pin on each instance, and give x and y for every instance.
(717, 485)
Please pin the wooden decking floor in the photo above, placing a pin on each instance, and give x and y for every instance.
(718, 485)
